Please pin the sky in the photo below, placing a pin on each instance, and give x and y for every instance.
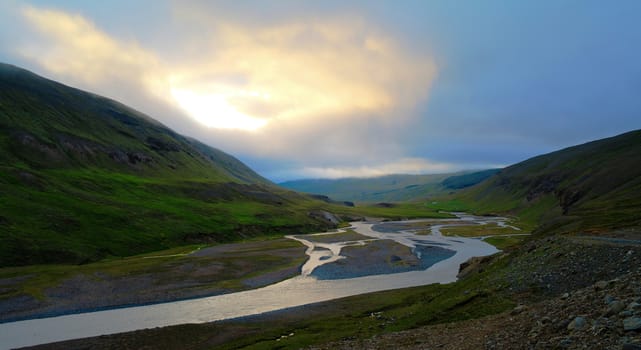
(327, 89)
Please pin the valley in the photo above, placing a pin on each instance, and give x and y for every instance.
(101, 180)
(117, 232)
(524, 297)
(389, 188)
(422, 262)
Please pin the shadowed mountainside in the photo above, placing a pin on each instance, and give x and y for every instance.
(83, 177)
(595, 186)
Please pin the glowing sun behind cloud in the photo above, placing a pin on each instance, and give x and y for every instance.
(303, 89)
(214, 110)
(297, 71)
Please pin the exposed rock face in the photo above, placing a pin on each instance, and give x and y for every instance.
(325, 216)
(160, 145)
(68, 148)
(474, 264)
(326, 199)
(385, 205)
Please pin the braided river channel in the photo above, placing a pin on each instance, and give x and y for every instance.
(367, 257)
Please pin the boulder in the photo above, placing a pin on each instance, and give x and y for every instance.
(577, 323)
(632, 324)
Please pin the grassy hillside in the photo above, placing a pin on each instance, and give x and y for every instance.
(458, 182)
(389, 188)
(83, 177)
(48, 125)
(595, 187)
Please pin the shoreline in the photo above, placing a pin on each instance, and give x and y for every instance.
(174, 279)
(301, 292)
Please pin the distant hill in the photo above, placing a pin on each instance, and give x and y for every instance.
(389, 188)
(83, 177)
(458, 182)
(595, 186)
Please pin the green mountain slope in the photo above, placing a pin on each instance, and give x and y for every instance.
(389, 188)
(595, 186)
(49, 125)
(458, 182)
(83, 177)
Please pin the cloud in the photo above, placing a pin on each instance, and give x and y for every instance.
(71, 46)
(303, 70)
(328, 94)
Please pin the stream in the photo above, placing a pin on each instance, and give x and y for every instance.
(309, 287)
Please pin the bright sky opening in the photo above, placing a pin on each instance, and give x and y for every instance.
(214, 110)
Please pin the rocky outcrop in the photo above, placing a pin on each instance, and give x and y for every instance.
(325, 216)
(385, 205)
(326, 199)
(474, 264)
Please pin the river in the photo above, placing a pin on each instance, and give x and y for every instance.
(301, 290)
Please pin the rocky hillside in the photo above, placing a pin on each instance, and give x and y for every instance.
(573, 293)
(83, 177)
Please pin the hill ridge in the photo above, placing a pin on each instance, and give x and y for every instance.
(139, 140)
(100, 179)
(591, 186)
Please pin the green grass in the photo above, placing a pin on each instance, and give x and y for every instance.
(500, 237)
(505, 242)
(501, 204)
(81, 216)
(477, 230)
(84, 215)
(592, 187)
(449, 204)
(88, 214)
(399, 211)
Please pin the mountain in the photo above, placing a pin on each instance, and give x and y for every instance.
(49, 125)
(457, 182)
(389, 188)
(592, 187)
(83, 177)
